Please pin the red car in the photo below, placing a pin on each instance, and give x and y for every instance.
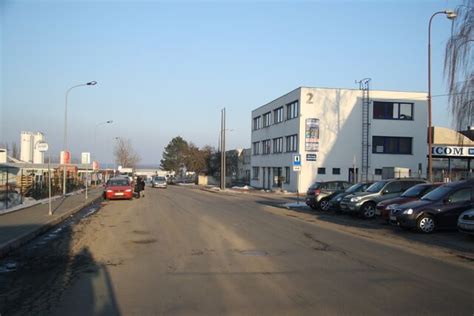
(412, 194)
(118, 188)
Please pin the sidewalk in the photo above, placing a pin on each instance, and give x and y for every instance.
(17, 228)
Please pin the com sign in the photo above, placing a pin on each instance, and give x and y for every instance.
(452, 151)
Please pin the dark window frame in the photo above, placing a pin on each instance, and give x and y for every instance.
(255, 177)
(292, 110)
(336, 171)
(293, 148)
(277, 116)
(255, 148)
(267, 119)
(322, 170)
(266, 146)
(384, 110)
(257, 123)
(277, 145)
(389, 142)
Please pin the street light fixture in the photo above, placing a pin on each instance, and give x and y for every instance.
(90, 83)
(95, 140)
(451, 15)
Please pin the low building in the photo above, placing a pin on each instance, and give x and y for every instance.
(339, 134)
(452, 154)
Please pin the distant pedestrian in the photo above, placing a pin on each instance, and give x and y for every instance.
(138, 186)
(142, 186)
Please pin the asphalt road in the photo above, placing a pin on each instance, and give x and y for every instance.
(181, 251)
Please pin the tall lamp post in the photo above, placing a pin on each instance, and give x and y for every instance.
(91, 83)
(95, 138)
(450, 14)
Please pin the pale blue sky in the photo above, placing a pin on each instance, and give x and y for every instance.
(167, 68)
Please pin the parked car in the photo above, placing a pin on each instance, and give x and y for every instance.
(466, 222)
(439, 209)
(334, 202)
(118, 188)
(412, 194)
(159, 182)
(319, 193)
(364, 203)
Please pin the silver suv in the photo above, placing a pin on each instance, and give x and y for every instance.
(363, 203)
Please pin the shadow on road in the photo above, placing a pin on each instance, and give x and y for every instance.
(35, 278)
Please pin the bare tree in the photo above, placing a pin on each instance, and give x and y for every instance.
(125, 156)
(458, 66)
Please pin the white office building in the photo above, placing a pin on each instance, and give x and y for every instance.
(337, 132)
(28, 151)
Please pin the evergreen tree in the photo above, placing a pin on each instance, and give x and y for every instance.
(174, 155)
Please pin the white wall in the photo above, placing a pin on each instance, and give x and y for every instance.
(26, 147)
(340, 115)
(38, 156)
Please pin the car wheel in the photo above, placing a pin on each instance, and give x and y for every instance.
(426, 224)
(368, 210)
(324, 205)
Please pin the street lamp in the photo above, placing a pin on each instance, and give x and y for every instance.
(450, 14)
(91, 83)
(95, 140)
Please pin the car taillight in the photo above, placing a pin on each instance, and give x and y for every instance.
(128, 190)
(317, 191)
(110, 191)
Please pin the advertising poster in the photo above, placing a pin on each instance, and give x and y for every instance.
(312, 135)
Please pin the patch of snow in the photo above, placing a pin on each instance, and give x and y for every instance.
(245, 187)
(295, 205)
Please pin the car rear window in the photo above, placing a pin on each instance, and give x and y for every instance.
(119, 182)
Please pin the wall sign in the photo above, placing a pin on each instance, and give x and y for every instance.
(311, 157)
(312, 134)
(452, 151)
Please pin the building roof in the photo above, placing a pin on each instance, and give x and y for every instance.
(326, 88)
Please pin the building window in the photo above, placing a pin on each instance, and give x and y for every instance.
(292, 110)
(336, 170)
(267, 146)
(255, 171)
(278, 115)
(392, 145)
(278, 145)
(393, 111)
(257, 123)
(267, 119)
(287, 174)
(292, 143)
(256, 148)
(321, 170)
(277, 176)
(378, 172)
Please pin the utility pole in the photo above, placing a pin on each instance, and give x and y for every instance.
(222, 144)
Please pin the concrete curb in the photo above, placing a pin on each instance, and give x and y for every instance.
(238, 193)
(16, 243)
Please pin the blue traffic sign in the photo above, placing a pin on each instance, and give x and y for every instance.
(297, 160)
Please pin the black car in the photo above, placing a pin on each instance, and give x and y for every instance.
(439, 209)
(335, 201)
(319, 194)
